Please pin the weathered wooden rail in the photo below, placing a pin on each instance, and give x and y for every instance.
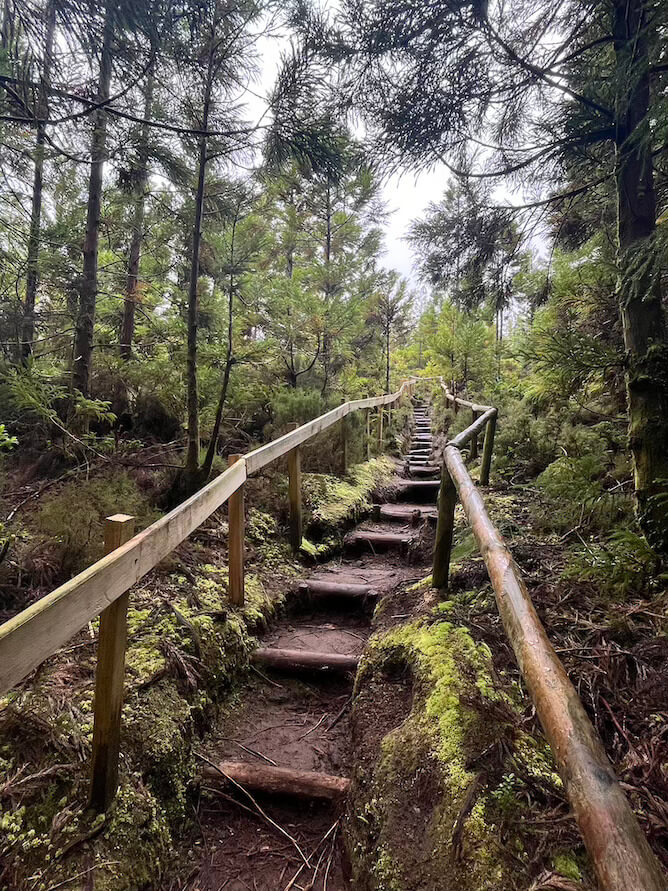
(36, 633)
(616, 844)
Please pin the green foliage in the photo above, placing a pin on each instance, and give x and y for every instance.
(7, 442)
(576, 496)
(621, 565)
(72, 522)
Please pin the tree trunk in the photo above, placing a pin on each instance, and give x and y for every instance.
(32, 278)
(328, 290)
(387, 358)
(192, 455)
(639, 285)
(83, 337)
(127, 331)
(229, 362)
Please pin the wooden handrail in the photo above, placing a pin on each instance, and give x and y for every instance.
(619, 851)
(37, 632)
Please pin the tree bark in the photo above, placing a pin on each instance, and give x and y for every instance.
(32, 278)
(192, 455)
(127, 331)
(229, 362)
(83, 338)
(639, 284)
(387, 356)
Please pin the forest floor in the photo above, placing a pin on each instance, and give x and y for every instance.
(240, 842)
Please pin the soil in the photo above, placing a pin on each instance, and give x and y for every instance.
(241, 841)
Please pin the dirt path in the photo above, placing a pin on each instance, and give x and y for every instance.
(250, 841)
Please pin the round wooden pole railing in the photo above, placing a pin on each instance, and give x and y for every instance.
(619, 851)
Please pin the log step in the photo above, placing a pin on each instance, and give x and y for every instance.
(278, 780)
(377, 541)
(419, 490)
(300, 661)
(323, 588)
(424, 469)
(407, 513)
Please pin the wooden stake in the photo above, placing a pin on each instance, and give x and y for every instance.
(487, 450)
(368, 434)
(474, 440)
(445, 526)
(344, 445)
(109, 678)
(295, 497)
(380, 429)
(237, 523)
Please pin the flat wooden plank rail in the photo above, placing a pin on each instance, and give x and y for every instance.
(37, 632)
(616, 844)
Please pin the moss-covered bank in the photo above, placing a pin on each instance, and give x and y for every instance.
(444, 770)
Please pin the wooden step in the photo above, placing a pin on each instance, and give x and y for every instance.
(376, 541)
(301, 661)
(424, 469)
(419, 490)
(324, 588)
(407, 513)
(277, 780)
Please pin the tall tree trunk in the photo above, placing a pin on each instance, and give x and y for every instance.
(639, 284)
(229, 362)
(326, 345)
(192, 454)
(83, 338)
(32, 278)
(128, 321)
(387, 358)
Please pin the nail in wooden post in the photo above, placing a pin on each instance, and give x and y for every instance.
(487, 450)
(295, 495)
(109, 678)
(368, 434)
(474, 440)
(380, 429)
(237, 523)
(445, 526)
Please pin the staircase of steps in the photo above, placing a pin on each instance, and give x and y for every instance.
(290, 741)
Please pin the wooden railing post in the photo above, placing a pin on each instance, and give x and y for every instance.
(368, 434)
(380, 429)
(445, 527)
(295, 496)
(474, 439)
(345, 433)
(236, 547)
(487, 450)
(109, 678)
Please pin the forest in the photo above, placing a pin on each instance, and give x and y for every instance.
(205, 210)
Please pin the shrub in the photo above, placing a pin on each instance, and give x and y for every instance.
(73, 520)
(576, 497)
(623, 565)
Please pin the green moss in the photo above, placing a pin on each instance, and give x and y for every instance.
(186, 647)
(566, 865)
(424, 767)
(334, 502)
